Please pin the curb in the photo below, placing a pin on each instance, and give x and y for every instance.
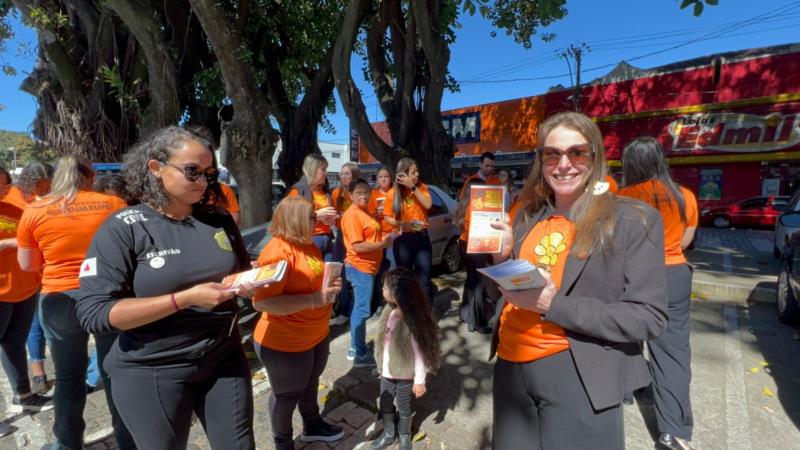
(732, 292)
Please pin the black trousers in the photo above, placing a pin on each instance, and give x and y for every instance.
(396, 392)
(542, 405)
(413, 250)
(670, 359)
(15, 323)
(156, 403)
(294, 378)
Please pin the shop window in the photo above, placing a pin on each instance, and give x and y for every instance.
(758, 202)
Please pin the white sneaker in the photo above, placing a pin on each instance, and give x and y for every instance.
(339, 320)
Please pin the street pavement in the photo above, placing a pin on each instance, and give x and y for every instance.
(745, 390)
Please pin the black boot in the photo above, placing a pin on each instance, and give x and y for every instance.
(388, 437)
(283, 443)
(404, 430)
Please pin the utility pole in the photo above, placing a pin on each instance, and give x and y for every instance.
(575, 52)
(13, 151)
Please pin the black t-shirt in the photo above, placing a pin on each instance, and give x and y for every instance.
(138, 252)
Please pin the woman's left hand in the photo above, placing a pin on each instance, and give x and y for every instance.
(537, 300)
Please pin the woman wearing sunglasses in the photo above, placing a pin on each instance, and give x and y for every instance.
(53, 236)
(568, 351)
(153, 273)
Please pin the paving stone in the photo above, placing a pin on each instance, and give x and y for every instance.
(349, 443)
(97, 446)
(338, 414)
(358, 417)
(347, 382)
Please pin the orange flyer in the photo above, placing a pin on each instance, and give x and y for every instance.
(258, 276)
(487, 206)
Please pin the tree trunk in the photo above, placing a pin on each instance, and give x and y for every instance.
(248, 141)
(141, 18)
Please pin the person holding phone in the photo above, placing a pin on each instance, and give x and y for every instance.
(569, 351)
(312, 187)
(407, 210)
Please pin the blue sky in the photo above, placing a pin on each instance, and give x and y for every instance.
(656, 32)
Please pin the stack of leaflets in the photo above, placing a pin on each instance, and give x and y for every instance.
(515, 274)
(333, 270)
(260, 276)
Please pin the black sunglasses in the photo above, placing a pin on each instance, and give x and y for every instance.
(193, 173)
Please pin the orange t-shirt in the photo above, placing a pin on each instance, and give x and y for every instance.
(321, 200)
(379, 198)
(613, 187)
(358, 226)
(492, 180)
(302, 330)
(15, 284)
(64, 238)
(524, 336)
(230, 196)
(412, 209)
(647, 192)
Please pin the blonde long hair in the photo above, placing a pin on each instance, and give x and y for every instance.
(73, 173)
(312, 162)
(593, 215)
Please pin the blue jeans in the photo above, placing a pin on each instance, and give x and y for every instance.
(325, 245)
(413, 251)
(344, 303)
(69, 350)
(93, 373)
(36, 339)
(362, 292)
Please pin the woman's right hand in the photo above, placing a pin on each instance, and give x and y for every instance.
(206, 295)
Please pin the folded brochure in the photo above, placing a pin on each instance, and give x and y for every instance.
(486, 206)
(332, 270)
(260, 276)
(515, 274)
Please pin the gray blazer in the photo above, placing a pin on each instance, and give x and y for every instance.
(610, 302)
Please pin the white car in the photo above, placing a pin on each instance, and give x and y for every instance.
(783, 231)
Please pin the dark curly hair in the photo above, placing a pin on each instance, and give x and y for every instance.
(32, 174)
(160, 146)
(113, 182)
(417, 312)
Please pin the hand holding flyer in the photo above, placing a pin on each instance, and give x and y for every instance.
(515, 274)
(333, 270)
(486, 206)
(259, 276)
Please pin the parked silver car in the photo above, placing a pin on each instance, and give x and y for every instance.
(443, 233)
(784, 231)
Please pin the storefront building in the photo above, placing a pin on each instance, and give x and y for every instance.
(729, 123)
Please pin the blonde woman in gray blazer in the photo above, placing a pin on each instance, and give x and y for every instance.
(567, 352)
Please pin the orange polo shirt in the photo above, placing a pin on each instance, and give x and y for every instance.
(411, 208)
(302, 330)
(379, 198)
(358, 226)
(651, 190)
(64, 238)
(613, 187)
(321, 200)
(524, 336)
(230, 197)
(15, 284)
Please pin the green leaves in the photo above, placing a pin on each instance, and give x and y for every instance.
(698, 5)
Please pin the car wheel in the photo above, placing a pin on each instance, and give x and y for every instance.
(776, 253)
(451, 258)
(788, 310)
(722, 222)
